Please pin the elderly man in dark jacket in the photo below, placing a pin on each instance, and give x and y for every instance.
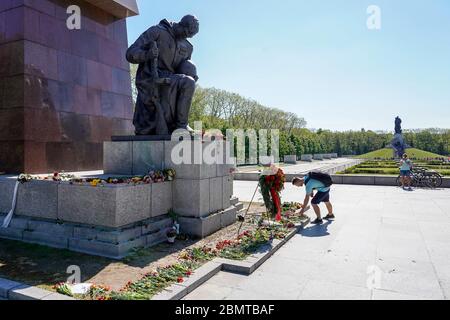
(173, 52)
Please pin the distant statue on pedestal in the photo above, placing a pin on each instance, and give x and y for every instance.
(166, 76)
(398, 143)
(398, 125)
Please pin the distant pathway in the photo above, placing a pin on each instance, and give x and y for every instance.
(303, 166)
(385, 244)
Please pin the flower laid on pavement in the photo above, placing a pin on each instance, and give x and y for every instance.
(63, 288)
(152, 283)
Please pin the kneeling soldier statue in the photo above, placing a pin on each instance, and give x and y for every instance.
(166, 76)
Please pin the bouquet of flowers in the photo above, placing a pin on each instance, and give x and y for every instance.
(154, 176)
(271, 186)
(169, 174)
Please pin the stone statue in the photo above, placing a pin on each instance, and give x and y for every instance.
(166, 76)
(398, 125)
(398, 143)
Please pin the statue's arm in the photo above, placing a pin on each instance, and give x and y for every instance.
(137, 53)
(190, 52)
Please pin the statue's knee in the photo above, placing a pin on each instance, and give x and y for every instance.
(188, 83)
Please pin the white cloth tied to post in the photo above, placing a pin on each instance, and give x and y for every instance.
(9, 216)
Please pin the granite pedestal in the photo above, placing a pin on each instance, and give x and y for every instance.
(112, 219)
(290, 159)
(318, 157)
(203, 186)
(62, 91)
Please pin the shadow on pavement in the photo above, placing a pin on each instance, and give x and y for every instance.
(318, 230)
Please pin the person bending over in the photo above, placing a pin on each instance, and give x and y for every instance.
(322, 195)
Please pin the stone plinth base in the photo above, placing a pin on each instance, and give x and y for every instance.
(291, 159)
(318, 157)
(113, 243)
(204, 226)
(191, 159)
(203, 185)
(200, 195)
(110, 206)
(142, 138)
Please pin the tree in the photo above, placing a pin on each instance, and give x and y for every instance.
(222, 110)
(133, 71)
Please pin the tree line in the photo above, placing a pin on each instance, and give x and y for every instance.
(220, 109)
(223, 110)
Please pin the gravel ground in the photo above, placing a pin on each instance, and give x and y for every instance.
(42, 266)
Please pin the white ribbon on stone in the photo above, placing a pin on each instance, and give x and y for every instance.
(9, 216)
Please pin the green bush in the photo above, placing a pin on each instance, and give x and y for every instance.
(392, 167)
(375, 171)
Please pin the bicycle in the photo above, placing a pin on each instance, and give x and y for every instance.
(422, 177)
(434, 179)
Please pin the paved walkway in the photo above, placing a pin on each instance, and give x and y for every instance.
(385, 244)
(304, 166)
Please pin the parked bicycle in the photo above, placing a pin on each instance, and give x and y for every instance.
(422, 177)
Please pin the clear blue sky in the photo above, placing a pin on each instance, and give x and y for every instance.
(319, 60)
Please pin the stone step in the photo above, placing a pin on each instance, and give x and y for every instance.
(11, 233)
(156, 226)
(112, 243)
(228, 217)
(156, 238)
(234, 201)
(239, 206)
(241, 213)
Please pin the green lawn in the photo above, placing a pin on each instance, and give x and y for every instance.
(391, 167)
(387, 153)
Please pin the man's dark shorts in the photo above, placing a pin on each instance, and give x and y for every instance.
(405, 173)
(321, 197)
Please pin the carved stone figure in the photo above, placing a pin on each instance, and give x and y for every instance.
(166, 76)
(398, 125)
(398, 143)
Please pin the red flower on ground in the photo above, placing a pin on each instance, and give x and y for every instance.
(180, 280)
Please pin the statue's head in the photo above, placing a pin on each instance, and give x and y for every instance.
(188, 27)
